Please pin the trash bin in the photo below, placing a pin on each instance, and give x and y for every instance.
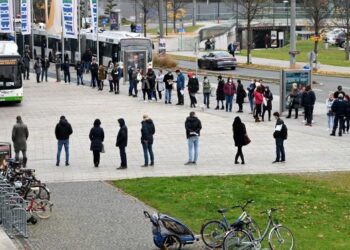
(326, 45)
(5, 152)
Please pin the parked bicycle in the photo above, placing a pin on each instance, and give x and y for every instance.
(40, 208)
(214, 231)
(279, 236)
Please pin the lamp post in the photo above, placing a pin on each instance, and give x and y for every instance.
(292, 34)
(286, 8)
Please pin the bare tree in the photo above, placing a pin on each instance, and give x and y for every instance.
(319, 11)
(249, 9)
(175, 10)
(343, 13)
(110, 6)
(145, 6)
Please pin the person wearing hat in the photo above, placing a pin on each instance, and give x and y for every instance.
(339, 108)
(63, 131)
(193, 86)
(180, 86)
(147, 132)
(220, 94)
(19, 137)
(280, 134)
(122, 142)
(339, 91)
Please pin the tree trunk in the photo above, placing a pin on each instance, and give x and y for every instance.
(316, 41)
(145, 23)
(174, 20)
(160, 12)
(249, 39)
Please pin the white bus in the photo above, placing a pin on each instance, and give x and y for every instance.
(11, 89)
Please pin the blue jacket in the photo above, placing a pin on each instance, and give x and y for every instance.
(180, 81)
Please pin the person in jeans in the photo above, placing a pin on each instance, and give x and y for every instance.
(58, 66)
(308, 101)
(117, 74)
(339, 108)
(251, 89)
(96, 137)
(147, 132)
(180, 86)
(206, 90)
(122, 142)
(45, 65)
(330, 113)
(20, 135)
(229, 90)
(110, 69)
(80, 72)
(94, 73)
(193, 127)
(280, 134)
(63, 131)
(168, 80)
(37, 69)
(26, 62)
(66, 72)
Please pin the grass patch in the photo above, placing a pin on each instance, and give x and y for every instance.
(188, 29)
(314, 207)
(332, 56)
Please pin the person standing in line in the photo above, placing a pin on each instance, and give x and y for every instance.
(110, 69)
(239, 134)
(339, 91)
(58, 65)
(180, 86)
(229, 90)
(220, 94)
(280, 134)
(122, 142)
(241, 94)
(169, 81)
(80, 71)
(330, 113)
(193, 87)
(251, 89)
(20, 136)
(87, 56)
(101, 77)
(151, 78)
(26, 62)
(339, 108)
(132, 77)
(37, 69)
(145, 86)
(63, 131)
(193, 127)
(309, 102)
(117, 74)
(160, 83)
(94, 73)
(96, 136)
(267, 104)
(45, 65)
(66, 72)
(147, 132)
(346, 126)
(293, 101)
(259, 99)
(206, 91)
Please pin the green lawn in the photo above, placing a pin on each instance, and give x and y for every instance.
(315, 207)
(332, 56)
(189, 29)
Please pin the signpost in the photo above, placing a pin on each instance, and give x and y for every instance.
(288, 77)
(181, 31)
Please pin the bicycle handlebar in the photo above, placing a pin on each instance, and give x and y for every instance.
(243, 206)
(269, 211)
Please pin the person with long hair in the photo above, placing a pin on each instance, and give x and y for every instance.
(96, 136)
(239, 132)
(220, 95)
(229, 90)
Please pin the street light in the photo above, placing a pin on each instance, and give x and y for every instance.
(286, 2)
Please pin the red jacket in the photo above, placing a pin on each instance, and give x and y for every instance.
(259, 98)
(229, 89)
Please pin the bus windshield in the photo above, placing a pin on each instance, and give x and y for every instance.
(10, 77)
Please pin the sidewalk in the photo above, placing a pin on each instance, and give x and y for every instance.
(267, 62)
(5, 241)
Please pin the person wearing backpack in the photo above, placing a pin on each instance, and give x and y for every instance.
(280, 135)
(206, 90)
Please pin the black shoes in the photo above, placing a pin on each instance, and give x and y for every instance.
(122, 167)
(67, 164)
(144, 166)
(217, 108)
(276, 161)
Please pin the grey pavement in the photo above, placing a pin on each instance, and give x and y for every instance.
(307, 148)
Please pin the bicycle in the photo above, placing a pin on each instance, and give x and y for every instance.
(41, 208)
(214, 231)
(280, 237)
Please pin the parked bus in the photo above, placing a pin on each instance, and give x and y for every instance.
(11, 89)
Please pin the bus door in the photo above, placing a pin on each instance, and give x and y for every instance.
(115, 53)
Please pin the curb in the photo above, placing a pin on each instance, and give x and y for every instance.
(5, 241)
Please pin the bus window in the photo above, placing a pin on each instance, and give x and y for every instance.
(10, 78)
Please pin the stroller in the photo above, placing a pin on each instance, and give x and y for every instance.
(169, 233)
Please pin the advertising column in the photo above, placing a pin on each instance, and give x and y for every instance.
(25, 17)
(6, 16)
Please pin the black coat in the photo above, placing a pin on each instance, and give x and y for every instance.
(238, 134)
(220, 95)
(269, 97)
(193, 126)
(340, 107)
(96, 137)
(283, 133)
(63, 130)
(309, 98)
(193, 85)
(122, 137)
(94, 68)
(147, 131)
(166, 79)
(241, 94)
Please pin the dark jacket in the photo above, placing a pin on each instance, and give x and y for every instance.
(336, 93)
(63, 130)
(168, 77)
(122, 137)
(340, 107)
(94, 68)
(65, 67)
(79, 68)
(309, 98)
(96, 137)
(251, 89)
(193, 126)
(45, 64)
(295, 99)
(180, 81)
(241, 94)
(147, 131)
(283, 133)
(193, 85)
(19, 136)
(220, 95)
(268, 97)
(238, 134)
(151, 78)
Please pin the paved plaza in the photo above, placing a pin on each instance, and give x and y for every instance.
(307, 148)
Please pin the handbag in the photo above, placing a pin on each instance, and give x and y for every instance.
(103, 149)
(246, 139)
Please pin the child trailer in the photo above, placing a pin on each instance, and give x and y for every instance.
(168, 232)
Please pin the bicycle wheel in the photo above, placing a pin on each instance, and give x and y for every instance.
(281, 237)
(253, 228)
(237, 239)
(43, 209)
(37, 192)
(213, 233)
(172, 242)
